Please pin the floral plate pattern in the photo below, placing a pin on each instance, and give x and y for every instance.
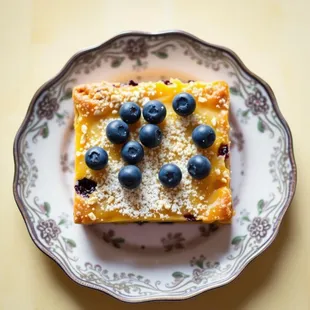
(143, 262)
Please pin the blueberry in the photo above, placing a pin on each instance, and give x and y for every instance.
(85, 187)
(199, 167)
(154, 112)
(96, 158)
(150, 135)
(130, 177)
(184, 104)
(130, 112)
(203, 136)
(170, 175)
(117, 131)
(132, 152)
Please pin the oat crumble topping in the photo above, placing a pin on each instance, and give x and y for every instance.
(97, 104)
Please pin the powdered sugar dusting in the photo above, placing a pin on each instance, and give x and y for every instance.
(151, 200)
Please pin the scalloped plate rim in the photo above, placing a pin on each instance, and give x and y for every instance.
(98, 47)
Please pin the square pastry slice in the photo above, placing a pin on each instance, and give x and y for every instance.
(188, 119)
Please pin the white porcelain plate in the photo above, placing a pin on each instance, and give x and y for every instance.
(142, 262)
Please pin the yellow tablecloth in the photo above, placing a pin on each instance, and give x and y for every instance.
(272, 37)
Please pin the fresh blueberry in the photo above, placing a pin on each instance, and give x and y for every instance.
(150, 135)
(132, 152)
(170, 175)
(199, 167)
(203, 136)
(130, 112)
(154, 112)
(96, 158)
(130, 177)
(117, 131)
(85, 187)
(184, 104)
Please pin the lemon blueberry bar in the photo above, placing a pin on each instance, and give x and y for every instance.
(152, 151)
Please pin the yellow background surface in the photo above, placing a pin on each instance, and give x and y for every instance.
(271, 37)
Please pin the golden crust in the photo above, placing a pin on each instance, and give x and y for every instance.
(208, 200)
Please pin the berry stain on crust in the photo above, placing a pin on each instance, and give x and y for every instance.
(223, 151)
(85, 187)
(167, 82)
(133, 83)
(190, 217)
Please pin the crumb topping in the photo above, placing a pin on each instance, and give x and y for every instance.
(98, 104)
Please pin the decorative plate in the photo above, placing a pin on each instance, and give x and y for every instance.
(146, 262)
